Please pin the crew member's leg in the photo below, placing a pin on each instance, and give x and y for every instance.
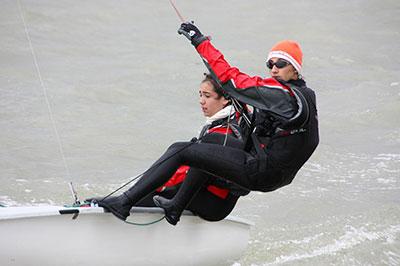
(194, 181)
(218, 160)
(194, 196)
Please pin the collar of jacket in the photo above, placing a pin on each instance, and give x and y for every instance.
(223, 113)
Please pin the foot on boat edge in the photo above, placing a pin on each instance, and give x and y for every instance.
(172, 213)
(115, 205)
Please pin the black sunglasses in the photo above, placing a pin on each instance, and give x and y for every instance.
(279, 64)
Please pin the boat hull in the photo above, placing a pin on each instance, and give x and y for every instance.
(89, 236)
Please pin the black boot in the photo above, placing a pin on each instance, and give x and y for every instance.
(154, 177)
(172, 212)
(119, 206)
(173, 208)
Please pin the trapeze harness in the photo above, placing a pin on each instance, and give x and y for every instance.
(267, 128)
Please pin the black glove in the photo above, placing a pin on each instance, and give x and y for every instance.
(192, 33)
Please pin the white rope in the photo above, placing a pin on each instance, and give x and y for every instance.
(44, 92)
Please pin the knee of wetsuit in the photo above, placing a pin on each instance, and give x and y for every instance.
(178, 145)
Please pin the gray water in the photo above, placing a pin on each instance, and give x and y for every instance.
(119, 85)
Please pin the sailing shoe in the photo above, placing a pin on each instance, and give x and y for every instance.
(172, 212)
(119, 206)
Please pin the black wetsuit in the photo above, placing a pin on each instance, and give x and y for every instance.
(205, 204)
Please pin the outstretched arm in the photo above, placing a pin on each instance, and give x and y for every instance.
(266, 94)
(214, 58)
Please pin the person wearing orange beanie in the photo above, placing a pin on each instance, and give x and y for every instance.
(281, 132)
(288, 50)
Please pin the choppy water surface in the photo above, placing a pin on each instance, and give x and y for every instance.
(122, 85)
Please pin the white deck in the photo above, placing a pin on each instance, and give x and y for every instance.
(43, 236)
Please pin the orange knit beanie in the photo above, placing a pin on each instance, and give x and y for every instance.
(289, 51)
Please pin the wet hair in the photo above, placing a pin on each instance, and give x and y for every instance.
(216, 87)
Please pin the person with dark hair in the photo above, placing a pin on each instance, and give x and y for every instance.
(281, 134)
(217, 197)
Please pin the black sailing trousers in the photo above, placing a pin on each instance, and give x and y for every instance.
(231, 163)
(193, 194)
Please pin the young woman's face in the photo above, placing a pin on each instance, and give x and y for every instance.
(285, 73)
(209, 100)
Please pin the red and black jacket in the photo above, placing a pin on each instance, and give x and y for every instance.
(284, 118)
